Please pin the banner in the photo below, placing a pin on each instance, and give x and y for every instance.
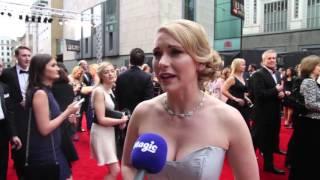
(237, 8)
(73, 45)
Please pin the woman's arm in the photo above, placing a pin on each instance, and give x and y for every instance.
(241, 155)
(100, 108)
(225, 90)
(309, 89)
(40, 106)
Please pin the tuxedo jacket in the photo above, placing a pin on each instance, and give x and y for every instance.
(132, 87)
(267, 109)
(19, 123)
(6, 106)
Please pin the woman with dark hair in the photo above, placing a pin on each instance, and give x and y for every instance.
(63, 93)
(288, 83)
(46, 117)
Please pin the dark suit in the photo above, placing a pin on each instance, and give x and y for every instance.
(5, 130)
(85, 107)
(19, 125)
(132, 87)
(267, 107)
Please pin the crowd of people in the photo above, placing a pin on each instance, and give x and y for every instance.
(201, 108)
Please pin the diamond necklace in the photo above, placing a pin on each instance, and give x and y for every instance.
(186, 114)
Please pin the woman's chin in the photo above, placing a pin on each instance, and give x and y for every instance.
(170, 88)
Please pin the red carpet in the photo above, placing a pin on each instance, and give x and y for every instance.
(86, 168)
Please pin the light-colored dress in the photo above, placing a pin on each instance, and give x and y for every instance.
(215, 89)
(203, 164)
(102, 138)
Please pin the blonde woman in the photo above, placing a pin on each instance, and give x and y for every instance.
(75, 79)
(235, 88)
(102, 135)
(195, 125)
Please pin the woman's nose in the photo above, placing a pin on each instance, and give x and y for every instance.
(164, 60)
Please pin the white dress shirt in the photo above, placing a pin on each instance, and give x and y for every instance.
(23, 81)
(273, 74)
(1, 110)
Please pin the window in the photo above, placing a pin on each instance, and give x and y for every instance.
(110, 41)
(111, 10)
(226, 25)
(254, 11)
(296, 8)
(275, 16)
(8, 54)
(8, 48)
(8, 60)
(86, 30)
(313, 14)
(189, 9)
(86, 45)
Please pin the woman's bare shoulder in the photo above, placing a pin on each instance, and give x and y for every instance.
(225, 113)
(149, 106)
(144, 113)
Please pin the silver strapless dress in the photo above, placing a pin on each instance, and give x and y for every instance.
(203, 164)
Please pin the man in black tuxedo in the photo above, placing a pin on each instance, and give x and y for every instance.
(6, 118)
(17, 80)
(87, 80)
(133, 86)
(268, 92)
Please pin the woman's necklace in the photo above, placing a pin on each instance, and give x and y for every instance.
(184, 115)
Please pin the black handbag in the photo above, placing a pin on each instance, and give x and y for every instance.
(120, 134)
(48, 171)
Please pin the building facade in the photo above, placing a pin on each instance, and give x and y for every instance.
(227, 28)
(6, 51)
(283, 25)
(121, 25)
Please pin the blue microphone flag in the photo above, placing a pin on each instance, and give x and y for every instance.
(149, 153)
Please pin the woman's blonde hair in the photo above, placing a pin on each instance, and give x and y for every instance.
(193, 39)
(235, 65)
(75, 71)
(308, 64)
(100, 69)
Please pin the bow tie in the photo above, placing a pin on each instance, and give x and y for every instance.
(22, 71)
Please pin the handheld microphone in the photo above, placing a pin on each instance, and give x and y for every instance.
(149, 153)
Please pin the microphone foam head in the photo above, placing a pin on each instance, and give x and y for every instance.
(149, 153)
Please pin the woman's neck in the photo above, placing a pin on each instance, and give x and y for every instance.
(47, 83)
(239, 75)
(313, 76)
(184, 100)
(106, 86)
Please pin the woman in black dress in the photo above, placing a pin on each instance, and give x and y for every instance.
(235, 89)
(287, 110)
(63, 93)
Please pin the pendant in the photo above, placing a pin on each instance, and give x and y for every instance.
(185, 115)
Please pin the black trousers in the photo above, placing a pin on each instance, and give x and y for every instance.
(4, 150)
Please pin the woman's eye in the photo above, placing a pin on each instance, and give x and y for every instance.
(175, 52)
(157, 54)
